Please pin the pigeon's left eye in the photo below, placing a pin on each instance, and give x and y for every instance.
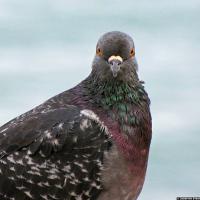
(99, 52)
(132, 52)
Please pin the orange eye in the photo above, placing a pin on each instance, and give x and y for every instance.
(132, 52)
(99, 52)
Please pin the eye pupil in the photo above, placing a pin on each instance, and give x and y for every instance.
(98, 51)
(132, 53)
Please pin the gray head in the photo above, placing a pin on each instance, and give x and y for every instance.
(115, 57)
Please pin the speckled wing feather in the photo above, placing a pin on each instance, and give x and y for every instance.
(56, 154)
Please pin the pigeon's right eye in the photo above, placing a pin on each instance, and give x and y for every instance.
(99, 52)
(132, 52)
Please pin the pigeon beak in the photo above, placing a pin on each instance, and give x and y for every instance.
(115, 64)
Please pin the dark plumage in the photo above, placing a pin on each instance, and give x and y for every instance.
(88, 143)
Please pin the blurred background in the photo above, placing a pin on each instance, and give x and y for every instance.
(47, 47)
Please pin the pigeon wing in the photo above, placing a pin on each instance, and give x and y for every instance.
(56, 154)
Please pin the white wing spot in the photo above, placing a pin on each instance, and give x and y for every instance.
(44, 196)
(34, 173)
(11, 178)
(73, 182)
(53, 196)
(58, 186)
(34, 168)
(91, 115)
(87, 193)
(19, 162)
(46, 183)
(12, 169)
(55, 142)
(48, 134)
(30, 172)
(78, 164)
(28, 193)
(29, 162)
(86, 179)
(95, 185)
(52, 171)
(20, 177)
(3, 130)
(21, 188)
(75, 138)
(84, 170)
(60, 126)
(66, 168)
(29, 152)
(86, 161)
(73, 194)
(30, 181)
(10, 158)
(85, 123)
(65, 181)
(79, 197)
(41, 153)
(40, 184)
(53, 176)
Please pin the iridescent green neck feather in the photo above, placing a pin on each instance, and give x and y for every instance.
(120, 99)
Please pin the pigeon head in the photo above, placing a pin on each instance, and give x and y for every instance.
(115, 57)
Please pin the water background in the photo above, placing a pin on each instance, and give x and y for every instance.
(47, 47)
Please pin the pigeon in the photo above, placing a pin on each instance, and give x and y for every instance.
(90, 142)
